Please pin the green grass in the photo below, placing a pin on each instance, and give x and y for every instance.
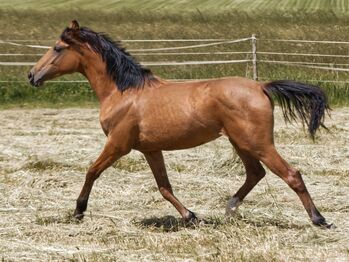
(158, 24)
(52, 95)
(339, 7)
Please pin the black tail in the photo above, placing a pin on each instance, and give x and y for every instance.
(298, 100)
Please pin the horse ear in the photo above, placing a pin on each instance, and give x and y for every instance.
(74, 25)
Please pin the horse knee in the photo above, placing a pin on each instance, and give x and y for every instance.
(294, 179)
(92, 174)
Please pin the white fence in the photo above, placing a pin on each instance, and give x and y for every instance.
(182, 50)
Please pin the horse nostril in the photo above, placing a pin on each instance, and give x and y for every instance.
(31, 78)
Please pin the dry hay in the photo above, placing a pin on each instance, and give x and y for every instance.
(44, 154)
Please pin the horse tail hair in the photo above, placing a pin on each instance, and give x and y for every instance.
(300, 101)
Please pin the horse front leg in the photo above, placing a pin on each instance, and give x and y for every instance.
(109, 155)
(157, 165)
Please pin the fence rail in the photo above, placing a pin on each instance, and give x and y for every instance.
(252, 55)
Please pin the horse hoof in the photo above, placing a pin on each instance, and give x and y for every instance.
(325, 225)
(78, 216)
(191, 218)
(329, 226)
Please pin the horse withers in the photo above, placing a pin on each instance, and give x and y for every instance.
(141, 111)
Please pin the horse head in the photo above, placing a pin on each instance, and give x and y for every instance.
(63, 58)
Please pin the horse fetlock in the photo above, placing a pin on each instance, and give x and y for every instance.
(79, 210)
(320, 221)
(232, 206)
(81, 206)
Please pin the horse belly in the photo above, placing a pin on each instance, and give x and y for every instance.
(174, 137)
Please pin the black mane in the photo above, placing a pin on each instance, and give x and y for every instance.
(121, 66)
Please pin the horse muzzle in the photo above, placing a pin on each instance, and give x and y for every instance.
(34, 80)
(37, 78)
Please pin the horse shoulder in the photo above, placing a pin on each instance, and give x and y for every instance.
(118, 116)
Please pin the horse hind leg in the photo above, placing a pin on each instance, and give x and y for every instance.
(258, 144)
(293, 178)
(254, 173)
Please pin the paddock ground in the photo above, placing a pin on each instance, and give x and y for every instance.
(44, 154)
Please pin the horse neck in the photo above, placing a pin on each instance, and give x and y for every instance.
(95, 71)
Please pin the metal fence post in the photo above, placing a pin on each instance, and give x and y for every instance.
(254, 57)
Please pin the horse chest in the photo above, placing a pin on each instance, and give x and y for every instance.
(105, 127)
(106, 123)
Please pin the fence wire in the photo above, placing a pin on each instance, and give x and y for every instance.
(162, 51)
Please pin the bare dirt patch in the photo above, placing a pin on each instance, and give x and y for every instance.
(45, 153)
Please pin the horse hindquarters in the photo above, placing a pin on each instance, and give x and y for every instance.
(251, 132)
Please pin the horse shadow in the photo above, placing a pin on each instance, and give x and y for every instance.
(173, 224)
(61, 218)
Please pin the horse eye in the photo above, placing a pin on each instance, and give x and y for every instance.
(57, 49)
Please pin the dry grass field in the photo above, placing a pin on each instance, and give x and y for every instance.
(44, 154)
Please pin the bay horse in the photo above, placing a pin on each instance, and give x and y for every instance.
(143, 112)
